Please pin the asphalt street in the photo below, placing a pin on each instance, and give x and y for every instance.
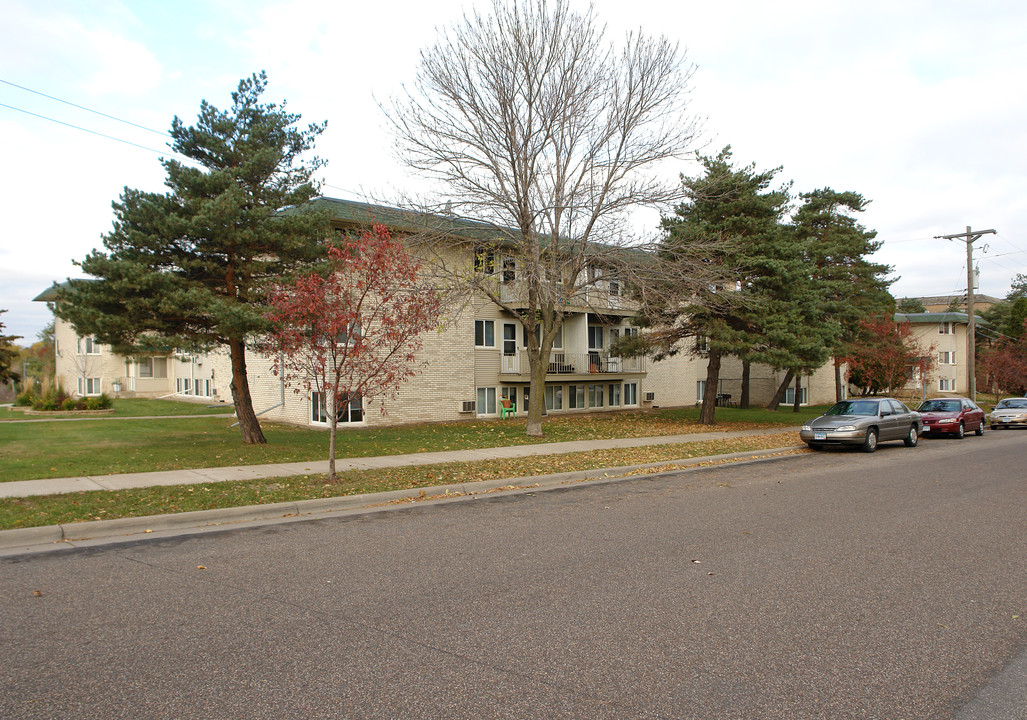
(826, 585)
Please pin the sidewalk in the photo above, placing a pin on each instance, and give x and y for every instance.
(51, 486)
(100, 532)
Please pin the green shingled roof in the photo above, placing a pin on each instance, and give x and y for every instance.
(935, 317)
(349, 212)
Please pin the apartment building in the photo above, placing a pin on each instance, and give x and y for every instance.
(465, 371)
(943, 337)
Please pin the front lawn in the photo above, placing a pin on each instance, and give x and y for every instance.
(106, 446)
(139, 502)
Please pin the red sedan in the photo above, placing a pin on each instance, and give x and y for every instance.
(951, 416)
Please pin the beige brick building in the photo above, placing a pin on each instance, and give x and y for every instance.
(943, 337)
(465, 370)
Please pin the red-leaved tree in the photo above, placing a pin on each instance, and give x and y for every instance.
(352, 333)
(1006, 366)
(884, 355)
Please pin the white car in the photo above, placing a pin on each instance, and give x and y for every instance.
(1009, 413)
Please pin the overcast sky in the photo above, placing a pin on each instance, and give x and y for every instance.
(919, 106)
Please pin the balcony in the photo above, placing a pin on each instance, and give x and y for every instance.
(563, 364)
(515, 295)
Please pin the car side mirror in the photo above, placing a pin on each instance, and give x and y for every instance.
(885, 413)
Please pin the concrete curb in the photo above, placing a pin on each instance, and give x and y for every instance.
(70, 535)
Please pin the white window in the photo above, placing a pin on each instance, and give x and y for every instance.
(946, 384)
(595, 337)
(88, 346)
(201, 387)
(152, 367)
(945, 328)
(486, 401)
(509, 339)
(349, 409)
(509, 270)
(318, 410)
(554, 397)
(630, 332)
(595, 396)
(484, 259)
(557, 339)
(576, 397)
(700, 389)
(614, 395)
(352, 330)
(947, 357)
(614, 288)
(89, 386)
(631, 393)
(485, 333)
(790, 396)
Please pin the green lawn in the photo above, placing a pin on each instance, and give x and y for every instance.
(106, 446)
(138, 502)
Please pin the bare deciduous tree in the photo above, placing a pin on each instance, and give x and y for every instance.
(536, 124)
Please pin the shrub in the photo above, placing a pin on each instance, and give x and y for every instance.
(101, 402)
(69, 404)
(52, 398)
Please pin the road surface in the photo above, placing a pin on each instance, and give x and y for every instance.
(829, 585)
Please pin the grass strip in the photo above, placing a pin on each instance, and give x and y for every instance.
(107, 505)
(30, 451)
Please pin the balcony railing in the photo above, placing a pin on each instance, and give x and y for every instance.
(516, 293)
(563, 363)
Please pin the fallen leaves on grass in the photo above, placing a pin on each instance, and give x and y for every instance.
(54, 509)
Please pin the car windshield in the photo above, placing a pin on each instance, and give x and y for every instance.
(854, 407)
(1018, 403)
(940, 406)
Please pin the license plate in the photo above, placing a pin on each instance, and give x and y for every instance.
(820, 436)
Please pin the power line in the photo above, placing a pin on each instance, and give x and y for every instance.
(94, 132)
(969, 237)
(82, 107)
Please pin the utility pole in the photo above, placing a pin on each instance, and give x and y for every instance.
(971, 330)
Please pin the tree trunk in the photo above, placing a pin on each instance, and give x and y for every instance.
(798, 390)
(333, 427)
(248, 423)
(709, 396)
(776, 400)
(743, 400)
(838, 380)
(536, 397)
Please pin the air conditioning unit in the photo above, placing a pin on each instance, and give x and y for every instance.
(467, 406)
(649, 396)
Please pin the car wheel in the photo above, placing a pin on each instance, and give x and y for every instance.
(980, 429)
(961, 431)
(913, 436)
(870, 442)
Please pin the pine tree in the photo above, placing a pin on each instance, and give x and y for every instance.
(850, 286)
(8, 353)
(738, 207)
(190, 268)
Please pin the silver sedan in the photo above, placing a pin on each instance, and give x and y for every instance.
(863, 422)
(1009, 413)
